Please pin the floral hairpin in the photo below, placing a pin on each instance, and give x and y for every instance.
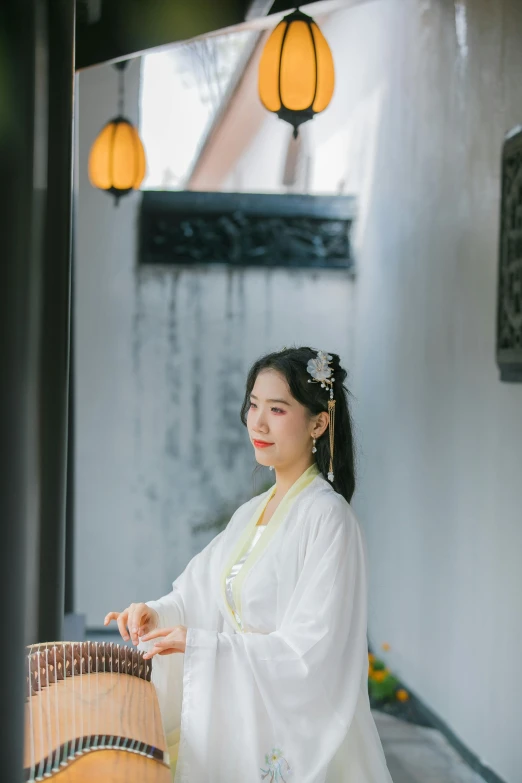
(321, 372)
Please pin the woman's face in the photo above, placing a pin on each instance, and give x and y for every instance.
(280, 428)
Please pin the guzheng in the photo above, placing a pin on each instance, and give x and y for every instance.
(92, 715)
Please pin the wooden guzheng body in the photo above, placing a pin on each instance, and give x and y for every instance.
(92, 715)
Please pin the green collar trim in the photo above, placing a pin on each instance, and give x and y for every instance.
(273, 526)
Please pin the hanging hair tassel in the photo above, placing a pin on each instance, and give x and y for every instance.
(331, 428)
(321, 372)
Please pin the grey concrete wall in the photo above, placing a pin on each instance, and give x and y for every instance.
(161, 363)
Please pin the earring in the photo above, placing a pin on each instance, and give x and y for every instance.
(270, 467)
(313, 447)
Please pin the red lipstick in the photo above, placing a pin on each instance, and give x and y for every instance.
(261, 444)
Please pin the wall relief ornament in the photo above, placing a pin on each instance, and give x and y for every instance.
(245, 229)
(509, 292)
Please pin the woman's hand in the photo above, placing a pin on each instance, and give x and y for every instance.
(138, 618)
(174, 641)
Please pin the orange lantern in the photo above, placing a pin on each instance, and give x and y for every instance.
(296, 72)
(117, 158)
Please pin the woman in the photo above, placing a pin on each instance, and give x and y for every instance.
(271, 615)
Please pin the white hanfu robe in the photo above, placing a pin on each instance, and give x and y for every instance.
(282, 695)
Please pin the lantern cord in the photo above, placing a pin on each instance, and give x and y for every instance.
(121, 92)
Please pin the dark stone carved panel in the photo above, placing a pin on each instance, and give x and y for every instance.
(509, 305)
(187, 228)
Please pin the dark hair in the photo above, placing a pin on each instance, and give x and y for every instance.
(291, 363)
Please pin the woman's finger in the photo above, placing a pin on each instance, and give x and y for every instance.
(122, 624)
(155, 633)
(134, 619)
(151, 653)
(143, 620)
(138, 622)
(168, 641)
(159, 651)
(143, 628)
(110, 617)
(146, 622)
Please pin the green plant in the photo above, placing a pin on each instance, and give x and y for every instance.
(382, 684)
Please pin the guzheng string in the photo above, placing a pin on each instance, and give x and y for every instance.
(40, 749)
(112, 687)
(56, 766)
(88, 683)
(48, 694)
(97, 695)
(66, 711)
(73, 710)
(63, 713)
(104, 669)
(31, 720)
(82, 732)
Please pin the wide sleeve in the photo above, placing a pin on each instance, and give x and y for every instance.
(291, 694)
(191, 602)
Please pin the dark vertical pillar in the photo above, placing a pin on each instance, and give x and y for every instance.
(55, 333)
(69, 498)
(21, 218)
(35, 98)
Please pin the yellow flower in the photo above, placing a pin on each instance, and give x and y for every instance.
(371, 657)
(385, 646)
(379, 676)
(402, 695)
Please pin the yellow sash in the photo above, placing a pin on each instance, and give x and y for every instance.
(273, 525)
(173, 748)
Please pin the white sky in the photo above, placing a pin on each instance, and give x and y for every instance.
(181, 90)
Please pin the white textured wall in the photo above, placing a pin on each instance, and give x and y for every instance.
(442, 437)
(161, 362)
(426, 90)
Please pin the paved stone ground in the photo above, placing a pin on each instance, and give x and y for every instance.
(420, 755)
